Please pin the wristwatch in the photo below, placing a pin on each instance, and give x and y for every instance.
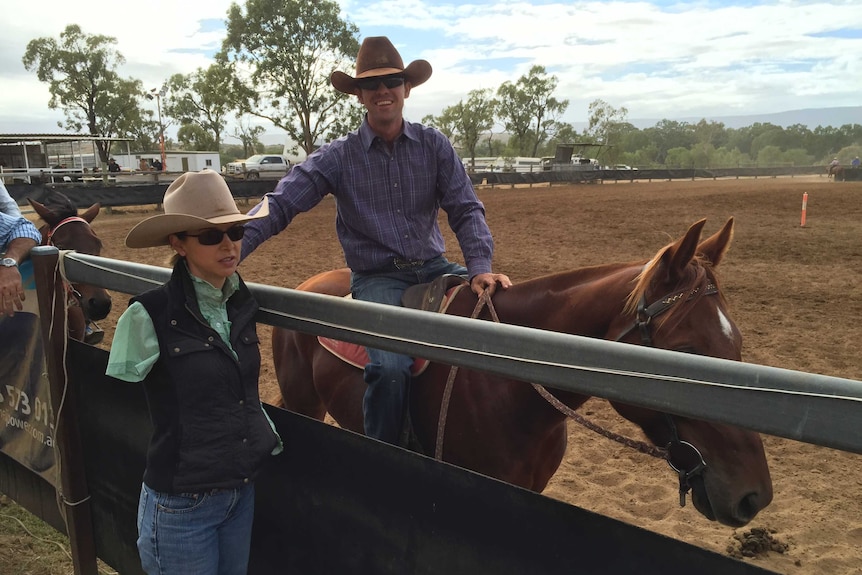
(9, 263)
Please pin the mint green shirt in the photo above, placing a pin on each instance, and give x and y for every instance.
(135, 347)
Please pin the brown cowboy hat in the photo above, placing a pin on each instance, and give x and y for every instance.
(193, 201)
(378, 57)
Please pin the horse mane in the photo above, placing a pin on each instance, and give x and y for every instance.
(698, 274)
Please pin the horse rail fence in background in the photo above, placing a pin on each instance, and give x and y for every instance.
(118, 195)
(812, 408)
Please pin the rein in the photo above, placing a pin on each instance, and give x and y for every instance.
(683, 457)
(484, 299)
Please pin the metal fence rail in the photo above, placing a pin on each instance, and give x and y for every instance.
(813, 408)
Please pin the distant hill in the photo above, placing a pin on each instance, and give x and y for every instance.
(810, 117)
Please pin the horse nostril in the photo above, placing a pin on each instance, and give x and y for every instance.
(748, 507)
(98, 309)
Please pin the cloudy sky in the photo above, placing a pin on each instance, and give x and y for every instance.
(657, 58)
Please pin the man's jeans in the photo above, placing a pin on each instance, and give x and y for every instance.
(388, 374)
(195, 534)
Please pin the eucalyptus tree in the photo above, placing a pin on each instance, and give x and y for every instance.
(248, 134)
(194, 137)
(81, 72)
(528, 109)
(284, 52)
(204, 98)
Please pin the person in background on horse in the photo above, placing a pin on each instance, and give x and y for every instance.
(197, 335)
(390, 177)
(855, 163)
(18, 236)
(834, 163)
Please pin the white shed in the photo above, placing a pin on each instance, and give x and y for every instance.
(177, 161)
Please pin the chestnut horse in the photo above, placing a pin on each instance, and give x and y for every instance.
(503, 428)
(835, 172)
(67, 230)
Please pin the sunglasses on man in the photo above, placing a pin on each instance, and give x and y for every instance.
(215, 237)
(374, 83)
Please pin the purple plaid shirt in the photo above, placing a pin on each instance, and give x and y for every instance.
(387, 201)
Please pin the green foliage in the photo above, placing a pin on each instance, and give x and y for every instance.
(285, 51)
(194, 137)
(203, 99)
(81, 72)
(466, 122)
(607, 126)
(249, 136)
(275, 64)
(529, 111)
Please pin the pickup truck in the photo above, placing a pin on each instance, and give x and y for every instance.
(257, 166)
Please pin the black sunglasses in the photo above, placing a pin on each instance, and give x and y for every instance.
(374, 83)
(215, 237)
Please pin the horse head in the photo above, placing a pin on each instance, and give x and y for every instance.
(66, 229)
(677, 305)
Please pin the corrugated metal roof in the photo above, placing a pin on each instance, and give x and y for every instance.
(18, 138)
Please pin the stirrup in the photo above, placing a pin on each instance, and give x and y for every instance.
(93, 334)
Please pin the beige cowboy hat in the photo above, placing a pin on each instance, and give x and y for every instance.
(378, 57)
(193, 201)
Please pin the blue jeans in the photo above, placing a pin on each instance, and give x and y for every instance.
(195, 533)
(388, 374)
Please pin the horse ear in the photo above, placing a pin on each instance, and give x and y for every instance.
(714, 247)
(680, 253)
(43, 211)
(91, 212)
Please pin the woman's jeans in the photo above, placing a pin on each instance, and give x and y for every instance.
(195, 533)
(388, 374)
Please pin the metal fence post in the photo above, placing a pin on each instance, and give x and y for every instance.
(74, 495)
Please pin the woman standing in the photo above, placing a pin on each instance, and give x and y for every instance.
(196, 339)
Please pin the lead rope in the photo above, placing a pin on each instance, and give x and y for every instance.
(640, 446)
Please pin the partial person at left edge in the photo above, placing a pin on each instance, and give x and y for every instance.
(18, 236)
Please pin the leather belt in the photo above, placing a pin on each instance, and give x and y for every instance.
(401, 264)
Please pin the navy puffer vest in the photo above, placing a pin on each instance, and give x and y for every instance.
(209, 429)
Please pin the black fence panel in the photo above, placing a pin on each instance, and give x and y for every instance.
(336, 502)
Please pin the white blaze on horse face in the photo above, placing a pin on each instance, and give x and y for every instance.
(726, 326)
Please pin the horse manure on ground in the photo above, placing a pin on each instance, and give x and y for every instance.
(757, 542)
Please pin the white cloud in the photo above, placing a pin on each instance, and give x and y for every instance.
(656, 59)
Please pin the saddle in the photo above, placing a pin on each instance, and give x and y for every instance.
(433, 296)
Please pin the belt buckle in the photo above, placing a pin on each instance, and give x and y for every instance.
(407, 264)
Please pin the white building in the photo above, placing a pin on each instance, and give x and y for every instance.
(177, 161)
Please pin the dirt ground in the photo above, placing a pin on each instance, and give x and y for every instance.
(795, 292)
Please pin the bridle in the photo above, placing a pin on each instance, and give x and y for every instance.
(74, 297)
(646, 313)
(682, 456)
